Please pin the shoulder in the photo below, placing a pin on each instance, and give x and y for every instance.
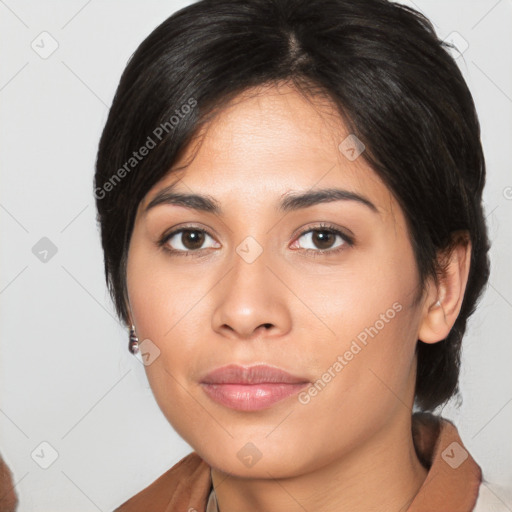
(186, 482)
(493, 498)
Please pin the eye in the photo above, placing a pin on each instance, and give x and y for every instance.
(190, 239)
(322, 239)
(185, 240)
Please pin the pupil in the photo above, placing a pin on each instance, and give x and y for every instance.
(196, 236)
(323, 236)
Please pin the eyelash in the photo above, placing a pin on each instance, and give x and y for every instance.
(348, 241)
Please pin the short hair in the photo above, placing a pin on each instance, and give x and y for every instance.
(394, 84)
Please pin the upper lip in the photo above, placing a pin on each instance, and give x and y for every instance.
(256, 374)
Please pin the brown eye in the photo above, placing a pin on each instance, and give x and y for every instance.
(323, 239)
(186, 240)
(192, 239)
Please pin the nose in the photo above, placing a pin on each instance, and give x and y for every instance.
(251, 302)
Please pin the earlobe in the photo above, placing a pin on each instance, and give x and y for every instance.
(443, 302)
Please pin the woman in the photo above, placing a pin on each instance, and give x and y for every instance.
(290, 201)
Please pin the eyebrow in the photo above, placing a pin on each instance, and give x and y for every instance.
(292, 202)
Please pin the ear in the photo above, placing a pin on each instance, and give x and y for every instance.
(444, 300)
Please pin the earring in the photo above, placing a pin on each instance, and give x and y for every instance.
(133, 345)
(438, 303)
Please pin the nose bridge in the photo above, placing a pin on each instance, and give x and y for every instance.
(249, 277)
(252, 252)
(249, 297)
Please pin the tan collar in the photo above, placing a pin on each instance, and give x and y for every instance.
(454, 478)
(451, 485)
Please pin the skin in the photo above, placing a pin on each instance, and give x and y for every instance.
(353, 439)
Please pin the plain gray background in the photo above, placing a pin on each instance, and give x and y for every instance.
(67, 378)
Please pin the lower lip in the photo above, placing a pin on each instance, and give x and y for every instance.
(251, 397)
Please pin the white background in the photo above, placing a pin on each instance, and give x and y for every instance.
(66, 376)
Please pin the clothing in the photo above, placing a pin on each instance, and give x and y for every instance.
(452, 483)
(8, 497)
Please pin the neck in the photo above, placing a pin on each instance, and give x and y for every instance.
(383, 474)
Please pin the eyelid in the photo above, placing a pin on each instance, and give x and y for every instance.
(187, 225)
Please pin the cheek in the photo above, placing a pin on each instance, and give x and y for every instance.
(368, 309)
(165, 309)
(162, 304)
(370, 293)
(158, 294)
(365, 378)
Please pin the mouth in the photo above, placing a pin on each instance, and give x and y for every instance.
(251, 388)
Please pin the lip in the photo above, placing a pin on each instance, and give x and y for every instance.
(251, 388)
(256, 374)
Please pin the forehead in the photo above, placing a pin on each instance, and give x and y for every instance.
(268, 142)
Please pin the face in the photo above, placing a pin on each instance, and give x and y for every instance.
(323, 290)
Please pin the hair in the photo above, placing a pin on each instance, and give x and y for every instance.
(393, 83)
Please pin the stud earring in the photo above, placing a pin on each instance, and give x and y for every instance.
(133, 345)
(438, 303)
